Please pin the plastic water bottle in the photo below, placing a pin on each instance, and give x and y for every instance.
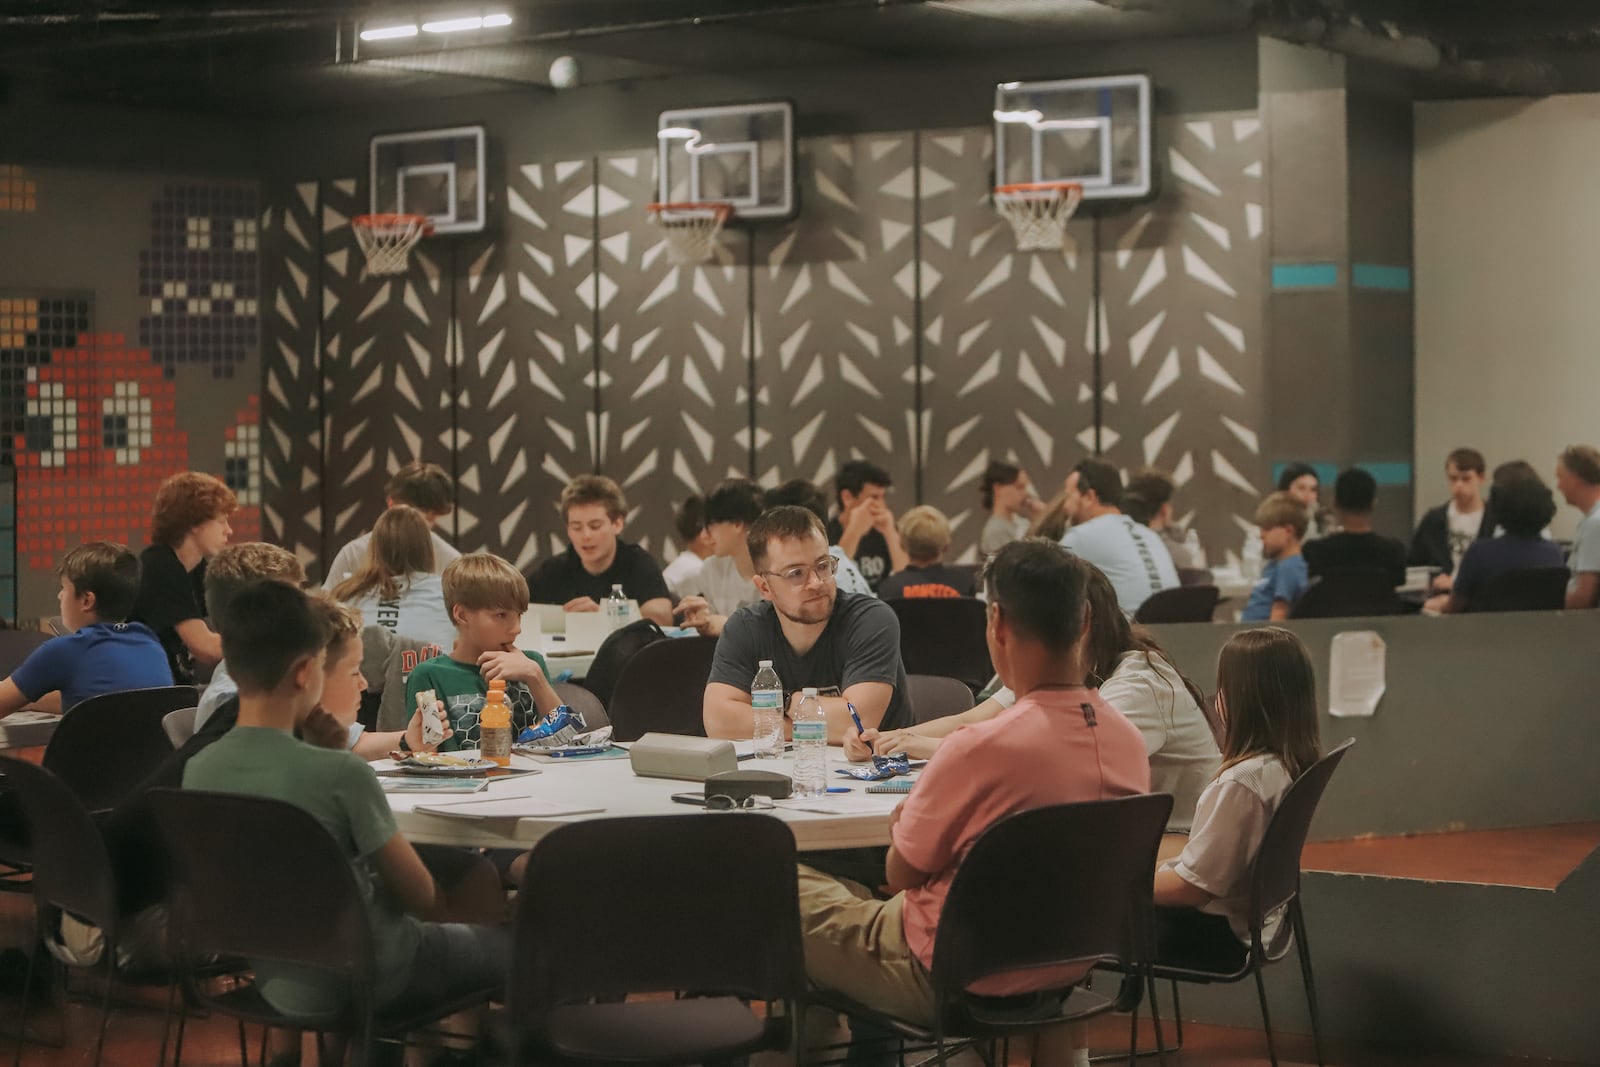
(810, 746)
(1191, 541)
(766, 699)
(616, 608)
(1250, 560)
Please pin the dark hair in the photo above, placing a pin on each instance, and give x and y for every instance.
(1293, 472)
(788, 523)
(856, 476)
(999, 472)
(1354, 491)
(1267, 692)
(797, 492)
(425, 486)
(594, 489)
(1466, 459)
(1139, 508)
(691, 518)
(1148, 492)
(266, 627)
(1051, 523)
(735, 500)
(1520, 501)
(1583, 462)
(1040, 588)
(1101, 477)
(107, 570)
(1111, 636)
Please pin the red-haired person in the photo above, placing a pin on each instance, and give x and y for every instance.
(188, 526)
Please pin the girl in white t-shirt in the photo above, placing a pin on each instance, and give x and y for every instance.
(396, 587)
(1267, 699)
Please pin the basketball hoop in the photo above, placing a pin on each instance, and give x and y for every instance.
(690, 228)
(386, 240)
(1038, 211)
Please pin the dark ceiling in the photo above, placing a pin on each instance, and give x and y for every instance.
(257, 57)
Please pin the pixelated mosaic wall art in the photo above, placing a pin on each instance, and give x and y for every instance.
(18, 192)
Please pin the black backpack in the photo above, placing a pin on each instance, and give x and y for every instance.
(614, 653)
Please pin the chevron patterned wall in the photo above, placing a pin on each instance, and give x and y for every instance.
(892, 320)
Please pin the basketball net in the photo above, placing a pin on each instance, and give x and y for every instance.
(1038, 211)
(386, 240)
(690, 229)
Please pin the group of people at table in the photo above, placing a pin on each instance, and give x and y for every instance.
(1088, 705)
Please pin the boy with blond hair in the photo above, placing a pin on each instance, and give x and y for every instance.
(925, 533)
(229, 571)
(486, 597)
(1282, 520)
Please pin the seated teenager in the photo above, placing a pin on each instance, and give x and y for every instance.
(925, 533)
(101, 652)
(1009, 500)
(1356, 545)
(690, 524)
(228, 572)
(1059, 744)
(814, 635)
(597, 558)
(424, 486)
(1133, 675)
(1132, 556)
(396, 587)
(1445, 532)
(1301, 481)
(1267, 698)
(189, 525)
(274, 645)
(1523, 506)
(864, 529)
(797, 492)
(726, 581)
(1282, 522)
(1148, 500)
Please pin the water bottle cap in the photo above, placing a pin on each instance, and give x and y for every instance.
(617, 589)
(809, 692)
(764, 663)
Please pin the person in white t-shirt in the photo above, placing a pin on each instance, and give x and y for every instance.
(396, 587)
(726, 582)
(424, 486)
(684, 570)
(1134, 557)
(1578, 478)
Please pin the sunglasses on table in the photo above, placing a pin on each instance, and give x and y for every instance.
(753, 802)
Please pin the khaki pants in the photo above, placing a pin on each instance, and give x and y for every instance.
(855, 945)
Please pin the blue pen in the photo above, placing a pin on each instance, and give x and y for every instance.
(838, 789)
(855, 718)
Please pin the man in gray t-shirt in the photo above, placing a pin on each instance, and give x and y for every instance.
(1578, 478)
(813, 634)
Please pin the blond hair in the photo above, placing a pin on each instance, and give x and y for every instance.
(594, 489)
(483, 580)
(341, 622)
(250, 561)
(401, 545)
(926, 534)
(1281, 509)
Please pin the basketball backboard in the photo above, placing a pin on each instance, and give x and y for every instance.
(437, 173)
(739, 154)
(1092, 131)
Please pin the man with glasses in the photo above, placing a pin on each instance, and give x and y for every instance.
(813, 634)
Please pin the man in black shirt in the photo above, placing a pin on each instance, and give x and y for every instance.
(597, 559)
(864, 529)
(1356, 546)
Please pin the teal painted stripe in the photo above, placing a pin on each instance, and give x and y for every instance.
(1380, 276)
(1305, 275)
(1384, 473)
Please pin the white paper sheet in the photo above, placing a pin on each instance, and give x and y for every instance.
(1357, 674)
(505, 808)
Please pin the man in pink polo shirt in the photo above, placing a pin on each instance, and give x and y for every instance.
(1060, 743)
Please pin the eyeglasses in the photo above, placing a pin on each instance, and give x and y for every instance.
(797, 576)
(753, 802)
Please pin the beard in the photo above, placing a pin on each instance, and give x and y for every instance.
(809, 614)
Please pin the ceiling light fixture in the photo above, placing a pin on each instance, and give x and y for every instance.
(389, 33)
(474, 22)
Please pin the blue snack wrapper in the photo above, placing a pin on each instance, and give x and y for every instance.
(557, 728)
(882, 767)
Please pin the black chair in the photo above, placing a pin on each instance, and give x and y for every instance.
(108, 744)
(1348, 592)
(732, 873)
(1194, 576)
(1186, 603)
(242, 871)
(1528, 589)
(934, 697)
(614, 653)
(662, 688)
(581, 700)
(944, 637)
(1274, 885)
(1091, 907)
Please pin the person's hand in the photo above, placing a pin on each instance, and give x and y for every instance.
(858, 747)
(694, 610)
(894, 816)
(904, 742)
(581, 603)
(414, 729)
(1436, 605)
(323, 730)
(858, 521)
(1442, 582)
(510, 664)
(882, 519)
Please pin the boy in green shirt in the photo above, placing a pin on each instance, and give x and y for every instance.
(486, 597)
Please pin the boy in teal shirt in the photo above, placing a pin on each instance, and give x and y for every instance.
(486, 597)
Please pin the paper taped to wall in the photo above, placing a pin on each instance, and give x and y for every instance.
(1356, 674)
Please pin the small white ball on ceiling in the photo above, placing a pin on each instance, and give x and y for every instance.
(564, 72)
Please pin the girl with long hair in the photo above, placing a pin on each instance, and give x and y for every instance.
(396, 587)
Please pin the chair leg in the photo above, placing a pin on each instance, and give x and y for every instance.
(244, 1047)
(105, 1000)
(1266, 1016)
(27, 993)
(1304, 947)
(166, 1025)
(1155, 1020)
(1177, 1015)
(183, 1020)
(1133, 1033)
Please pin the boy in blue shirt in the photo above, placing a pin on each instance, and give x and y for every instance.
(103, 652)
(1282, 520)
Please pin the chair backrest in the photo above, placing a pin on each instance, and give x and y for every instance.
(662, 689)
(108, 744)
(179, 725)
(262, 879)
(1090, 901)
(933, 697)
(944, 637)
(732, 873)
(1194, 576)
(1527, 589)
(1275, 877)
(581, 700)
(614, 654)
(71, 868)
(1346, 592)
(1186, 603)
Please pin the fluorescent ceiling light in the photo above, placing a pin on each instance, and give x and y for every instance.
(492, 21)
(474, 22)
(388, 33)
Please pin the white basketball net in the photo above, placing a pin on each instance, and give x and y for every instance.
(386, 240)
(690, 229)
(1038, 213)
